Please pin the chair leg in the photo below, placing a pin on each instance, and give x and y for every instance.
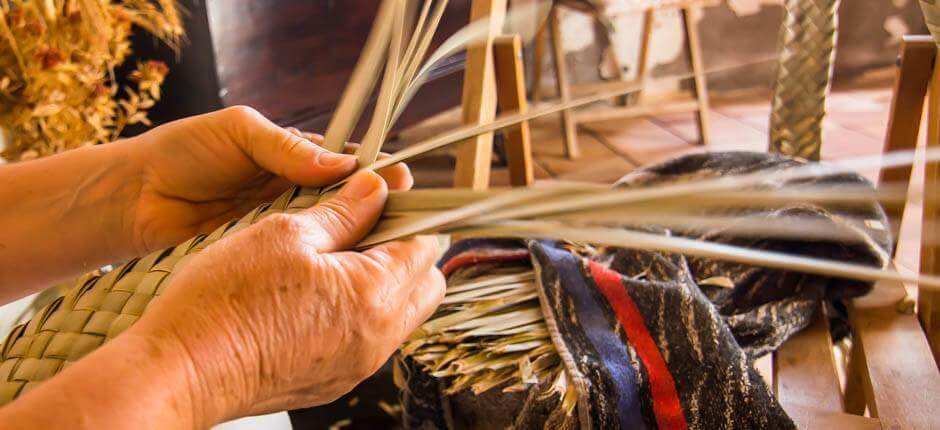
(473, 157)
(928, 301)
(537, 62)
(699, 85)
(907, 108)
(643, 57)
(510, 87)
(568, 125)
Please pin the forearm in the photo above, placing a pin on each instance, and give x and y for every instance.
(127, 383)
(64, 215)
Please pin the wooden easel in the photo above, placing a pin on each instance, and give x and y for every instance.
(493, 78)
(570, 120)
(918, 79)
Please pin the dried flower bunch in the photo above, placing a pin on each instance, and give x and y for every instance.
(58, 88)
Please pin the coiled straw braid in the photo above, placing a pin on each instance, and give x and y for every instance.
(804, 73)
(102, 306)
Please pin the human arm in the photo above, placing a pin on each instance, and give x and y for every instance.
(76, 211)
(279, 315)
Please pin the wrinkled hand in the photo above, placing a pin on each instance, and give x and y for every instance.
(200, 172)
(281, 315)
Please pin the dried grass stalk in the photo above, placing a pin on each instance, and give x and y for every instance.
(489, 332)
(57, 64)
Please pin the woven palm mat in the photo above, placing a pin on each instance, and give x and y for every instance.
(100, 306)
(649, 339)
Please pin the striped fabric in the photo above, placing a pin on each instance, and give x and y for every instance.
(645, 345)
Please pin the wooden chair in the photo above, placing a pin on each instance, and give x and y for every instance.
(892, 377)
(493, 78)
(620, 108)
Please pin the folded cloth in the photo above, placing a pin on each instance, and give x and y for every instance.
(645, 343)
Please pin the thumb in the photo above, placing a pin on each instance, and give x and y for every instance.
(346, 218)
(287, 154)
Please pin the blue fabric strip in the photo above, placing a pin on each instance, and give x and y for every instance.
(610, 348)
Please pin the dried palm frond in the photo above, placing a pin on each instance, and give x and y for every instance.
(57, 71)
(487, 333)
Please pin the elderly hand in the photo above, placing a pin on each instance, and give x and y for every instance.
(85, 208)
(282, 316)
(200, 172)
(279, 315)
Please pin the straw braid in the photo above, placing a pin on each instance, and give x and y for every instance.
(804, 72)
(101, 306)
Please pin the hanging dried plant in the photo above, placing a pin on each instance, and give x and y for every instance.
(58, 88)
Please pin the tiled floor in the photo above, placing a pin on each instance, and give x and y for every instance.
(855, 125)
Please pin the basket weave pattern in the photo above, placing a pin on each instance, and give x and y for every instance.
(804, 73)
(100, 307)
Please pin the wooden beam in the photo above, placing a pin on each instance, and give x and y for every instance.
(804, 369)
(907, 106)
(928, 302)
(693, 49)
(643, 56)
(510, 84)
(569, 127)
(900, 378)
(538, 60)
(479, 99)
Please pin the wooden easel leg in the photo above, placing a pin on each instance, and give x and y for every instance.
(613, 62)
(699, 86)
(928, 301)
(510, 85)
(479, 99)
(907, 108)
(569, 127)
(643, 57)
(537, 62)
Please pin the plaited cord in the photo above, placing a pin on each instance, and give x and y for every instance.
(804, 74)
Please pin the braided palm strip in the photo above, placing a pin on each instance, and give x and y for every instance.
(100, 306)
(804, 72)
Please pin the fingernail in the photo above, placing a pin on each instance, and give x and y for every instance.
(331, 159)
(361, 185)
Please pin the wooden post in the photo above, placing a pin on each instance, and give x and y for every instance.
(643, 57)
(916, 75)
(510, 84)
(928, 301)
(569, 128)
(479, 99)
(699, 86)
(538, 59)
(907, 108)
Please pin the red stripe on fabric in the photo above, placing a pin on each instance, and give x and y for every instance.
(666, 403)
(474, 257)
